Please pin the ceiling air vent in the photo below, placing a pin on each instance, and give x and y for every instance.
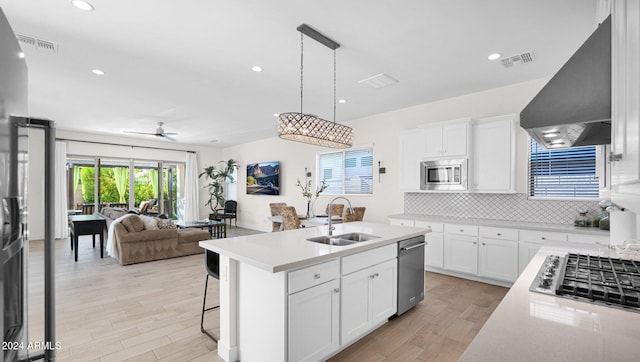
(37, 44)
(518, 59)
(379, 81)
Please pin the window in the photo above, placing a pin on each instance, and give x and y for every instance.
(347, 172)
(562, 173)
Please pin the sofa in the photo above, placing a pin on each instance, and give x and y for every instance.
(138, 238)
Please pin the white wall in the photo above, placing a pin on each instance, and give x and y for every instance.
(381, 131)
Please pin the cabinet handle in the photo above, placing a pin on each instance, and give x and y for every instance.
(371, 276)
(484, 244)
(543, 238)
(461, 230)
(499, 234)
(474, 243)
(376, 275)
(317, 276)
(337, 290)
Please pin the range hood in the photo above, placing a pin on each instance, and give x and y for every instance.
(574, 108)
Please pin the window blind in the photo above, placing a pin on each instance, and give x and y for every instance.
(562, 173)
(347, 172)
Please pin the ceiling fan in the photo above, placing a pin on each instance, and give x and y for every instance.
(158, 133)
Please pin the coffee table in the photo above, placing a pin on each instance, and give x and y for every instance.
(217, 229)
(87, 225)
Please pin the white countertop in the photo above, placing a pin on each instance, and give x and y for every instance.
(528, 326)
(286, 250)
(504, 223)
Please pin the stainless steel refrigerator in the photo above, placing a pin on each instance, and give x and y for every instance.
(14, 161)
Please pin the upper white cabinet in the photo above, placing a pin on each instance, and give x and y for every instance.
(492, 158)
(412, 149)
(446, 139)
(625, 132)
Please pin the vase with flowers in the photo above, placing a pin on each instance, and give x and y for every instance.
(310, 194)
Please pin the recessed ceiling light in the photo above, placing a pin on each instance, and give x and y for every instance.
(82, 5)
(494, 56)
(97, 72)
(276, 114)
(257, 68)
(21, 55)
(342, 101)
(215, 141)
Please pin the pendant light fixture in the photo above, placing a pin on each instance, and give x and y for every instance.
(308, 128)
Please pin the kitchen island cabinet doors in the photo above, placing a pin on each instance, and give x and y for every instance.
(461, 248)
(369, 297)
(314, 319)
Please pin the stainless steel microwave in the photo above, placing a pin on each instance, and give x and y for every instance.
(444, 175)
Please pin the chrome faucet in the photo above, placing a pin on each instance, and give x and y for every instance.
(330, 209)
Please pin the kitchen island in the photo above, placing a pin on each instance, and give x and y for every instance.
(283, 297)
(529, 326)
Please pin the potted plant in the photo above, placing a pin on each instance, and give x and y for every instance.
(217, 177)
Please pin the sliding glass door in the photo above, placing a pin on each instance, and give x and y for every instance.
(125, 183)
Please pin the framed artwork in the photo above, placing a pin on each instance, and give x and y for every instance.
(263, 178)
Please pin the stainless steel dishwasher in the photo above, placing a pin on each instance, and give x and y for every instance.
(410, 273)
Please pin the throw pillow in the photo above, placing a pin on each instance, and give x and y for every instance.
(133, 223)
(165, 224)
(149, 222)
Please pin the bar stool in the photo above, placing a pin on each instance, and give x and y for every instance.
(212, 265)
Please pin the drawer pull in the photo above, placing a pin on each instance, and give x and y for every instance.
(461, 230)
(317, 276)
(499, 234)
(474, 243)
(371, 276)
(376, 275)
(484, 244)
(544, 238)
(337, 290)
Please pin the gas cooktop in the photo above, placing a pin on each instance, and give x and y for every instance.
(595, 279)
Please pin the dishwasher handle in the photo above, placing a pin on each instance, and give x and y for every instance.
(413, 246)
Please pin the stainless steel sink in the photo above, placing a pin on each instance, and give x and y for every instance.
(344, 239)
(356, 237)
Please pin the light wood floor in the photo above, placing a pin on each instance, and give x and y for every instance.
(151, 312)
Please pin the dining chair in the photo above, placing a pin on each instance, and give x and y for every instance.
(212, 265)
(357, 215)
(336, 210)
(275, 211)
(290, 219)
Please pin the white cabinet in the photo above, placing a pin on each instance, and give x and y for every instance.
(461, 248)
(434, 243)
(314, 319)
(625, 109)
(446, 139)
(412, 149)
(526, 252)
(492, 157)
(498, 253)
(369, 297)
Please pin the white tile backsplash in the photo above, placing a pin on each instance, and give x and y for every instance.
(513, 207)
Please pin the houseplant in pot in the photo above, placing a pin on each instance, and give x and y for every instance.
(217, 177)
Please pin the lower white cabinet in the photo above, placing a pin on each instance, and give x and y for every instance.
(369, 297)
(461, 253)
(434, 250)
(498, 259)
(314, 318)
(434, 243)
(526, 252)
